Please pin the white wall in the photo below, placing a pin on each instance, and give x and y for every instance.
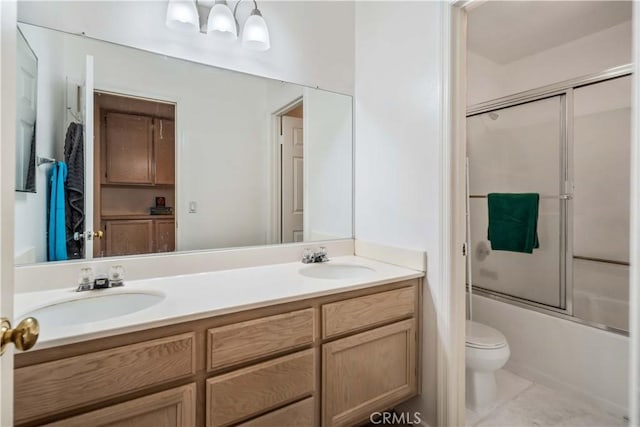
(311, 41)
(488, 80)
(328, 165)
(31, 209)
(398, 128)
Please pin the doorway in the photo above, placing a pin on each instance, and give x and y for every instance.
(471, 128)
(134, 175)
(291, 167)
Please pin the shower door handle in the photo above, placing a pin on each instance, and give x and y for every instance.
(566, 196)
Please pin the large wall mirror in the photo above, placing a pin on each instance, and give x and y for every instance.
(141, 153)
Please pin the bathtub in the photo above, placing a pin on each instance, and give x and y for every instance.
(601, 309)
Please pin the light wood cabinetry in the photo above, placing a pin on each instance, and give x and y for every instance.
(263, 367)
(357, 313)
(240, 342)
(368, 371)
(73, 382)
(297, 414)
(257, 389)
(171, 408)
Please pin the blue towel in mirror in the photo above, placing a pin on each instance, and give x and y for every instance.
(57, 236)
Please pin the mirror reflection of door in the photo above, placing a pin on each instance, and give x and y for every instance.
(26, 87)
(134, 190)
(292, 164)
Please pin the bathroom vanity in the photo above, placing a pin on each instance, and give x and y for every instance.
(327, 352)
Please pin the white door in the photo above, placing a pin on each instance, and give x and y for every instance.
(7, 185)
(26, 89)
(292, 189)
(87, 117)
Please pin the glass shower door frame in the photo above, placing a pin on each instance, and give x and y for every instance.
(564, 89)
(565, 96)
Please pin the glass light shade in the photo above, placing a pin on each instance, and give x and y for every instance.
(255, 34)
(182, 15)
(221, 21)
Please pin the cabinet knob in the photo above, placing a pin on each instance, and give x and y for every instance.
(24, 336)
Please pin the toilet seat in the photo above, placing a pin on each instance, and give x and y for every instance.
(483, 337)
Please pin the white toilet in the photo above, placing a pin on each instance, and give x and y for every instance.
(486, 352)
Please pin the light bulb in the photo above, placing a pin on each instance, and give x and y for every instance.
(255, 34)
(182, 15)
(221, 22)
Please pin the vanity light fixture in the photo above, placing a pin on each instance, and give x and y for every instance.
(182, 15)
(221, 23)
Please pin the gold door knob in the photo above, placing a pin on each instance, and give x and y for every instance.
(98, 234)
(24, 336)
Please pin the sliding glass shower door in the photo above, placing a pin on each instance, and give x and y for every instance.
(601, 169)
(570, 144)
(520, 149)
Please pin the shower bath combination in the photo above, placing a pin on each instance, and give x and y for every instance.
(571, 146)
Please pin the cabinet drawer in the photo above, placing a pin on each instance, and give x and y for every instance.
(171, 408)
(251, 391)
(367, 372)
(299, 414)
(357, 313)
(60, 385)
(245, 341)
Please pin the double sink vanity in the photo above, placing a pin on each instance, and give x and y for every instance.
(280, 345)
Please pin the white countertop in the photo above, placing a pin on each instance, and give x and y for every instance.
(197, 296)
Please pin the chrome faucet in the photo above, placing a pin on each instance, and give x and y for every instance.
(309, 256)
(87, 282)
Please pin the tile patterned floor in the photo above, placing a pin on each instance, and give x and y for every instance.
(521, 403)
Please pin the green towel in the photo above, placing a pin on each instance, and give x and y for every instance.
(513, 221)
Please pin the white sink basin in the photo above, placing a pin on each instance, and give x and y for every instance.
(93, 307)
(336, 271)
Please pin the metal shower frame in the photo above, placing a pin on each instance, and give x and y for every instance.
(565, 90)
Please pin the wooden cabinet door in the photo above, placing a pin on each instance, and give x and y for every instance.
(165, 235)
(164, 138)
(129, 237)
(171, 408)
(129, 148)
(368, 372)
